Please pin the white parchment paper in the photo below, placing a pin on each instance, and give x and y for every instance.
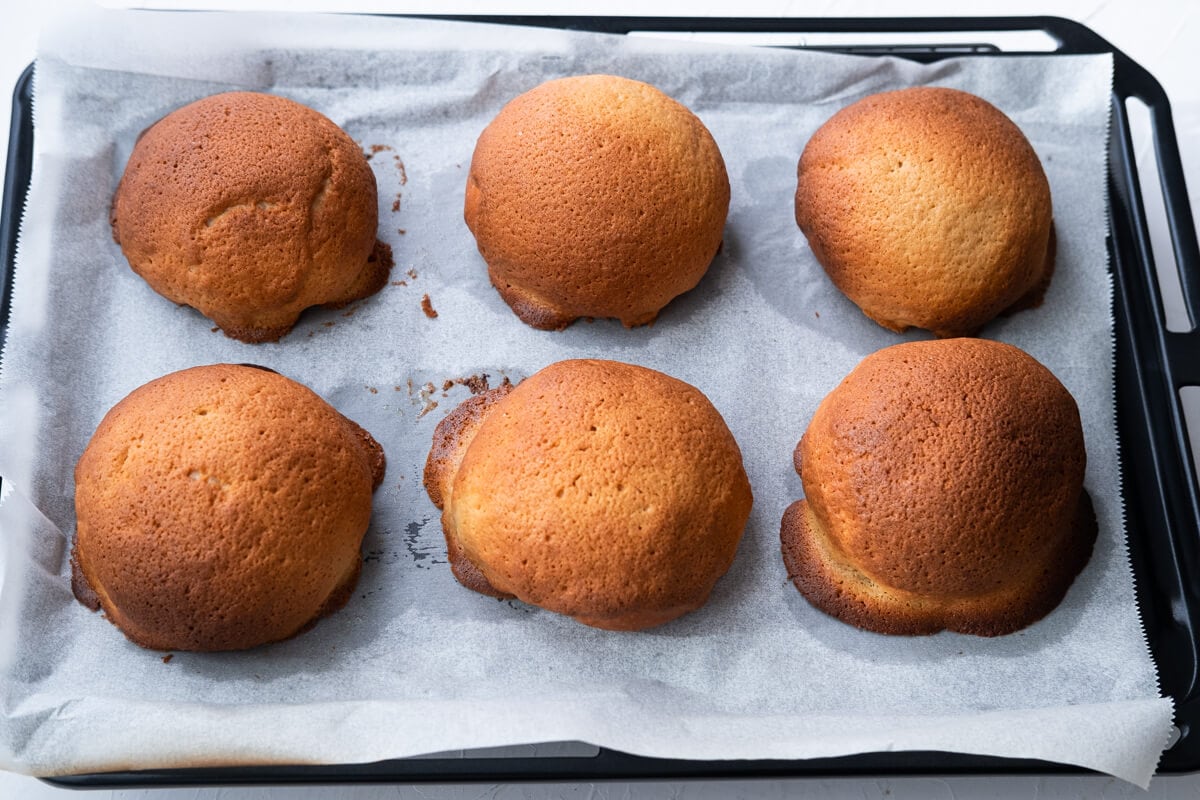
(415, 663)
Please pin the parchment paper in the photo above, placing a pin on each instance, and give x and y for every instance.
(415, 663)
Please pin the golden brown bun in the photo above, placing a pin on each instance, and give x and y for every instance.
(608, 492)
(944, 490)
(250, 208)
(220, 508)
(928, 208)
(595, 196)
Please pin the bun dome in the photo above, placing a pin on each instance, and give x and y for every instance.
(220, 508)
(943, 486)
(250, 208)
(604, 491)
(928, 208)
(595, 196)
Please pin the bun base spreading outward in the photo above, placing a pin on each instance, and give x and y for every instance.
(371, 279)
(833, 584)
(607, 492)
(450, 441)
(221, 508)
(943, 486)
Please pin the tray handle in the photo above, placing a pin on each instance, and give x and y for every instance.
(1132, 81)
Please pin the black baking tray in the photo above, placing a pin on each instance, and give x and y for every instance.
(1158, 474)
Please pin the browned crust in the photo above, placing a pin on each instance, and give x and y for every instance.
(96, 598)
(564, 498)
(639, 621)
(913, 224)
(465, 571)
(372, 450)
(536, 313)
(337, 600)
(256, 335)
(374, 276)
(215, 214)
(837, 588)
(80, 586)
(595, 196)
(87, 597)
(1034, 297)
(943, 484)
(451, 438)
(529, 309)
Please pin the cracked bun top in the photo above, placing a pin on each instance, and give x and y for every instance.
(595, 196)
(928, 208)
(604, 491)
(943, 486)
(220, 508)
(250, 208)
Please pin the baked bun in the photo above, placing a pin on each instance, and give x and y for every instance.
(595, 196)
(250, 208)
(220, 508)
(944, 490)
(611, 493)
(928, 208)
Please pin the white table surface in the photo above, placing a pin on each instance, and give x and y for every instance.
(1164, 37)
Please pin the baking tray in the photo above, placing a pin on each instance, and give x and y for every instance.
(1152, 364)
